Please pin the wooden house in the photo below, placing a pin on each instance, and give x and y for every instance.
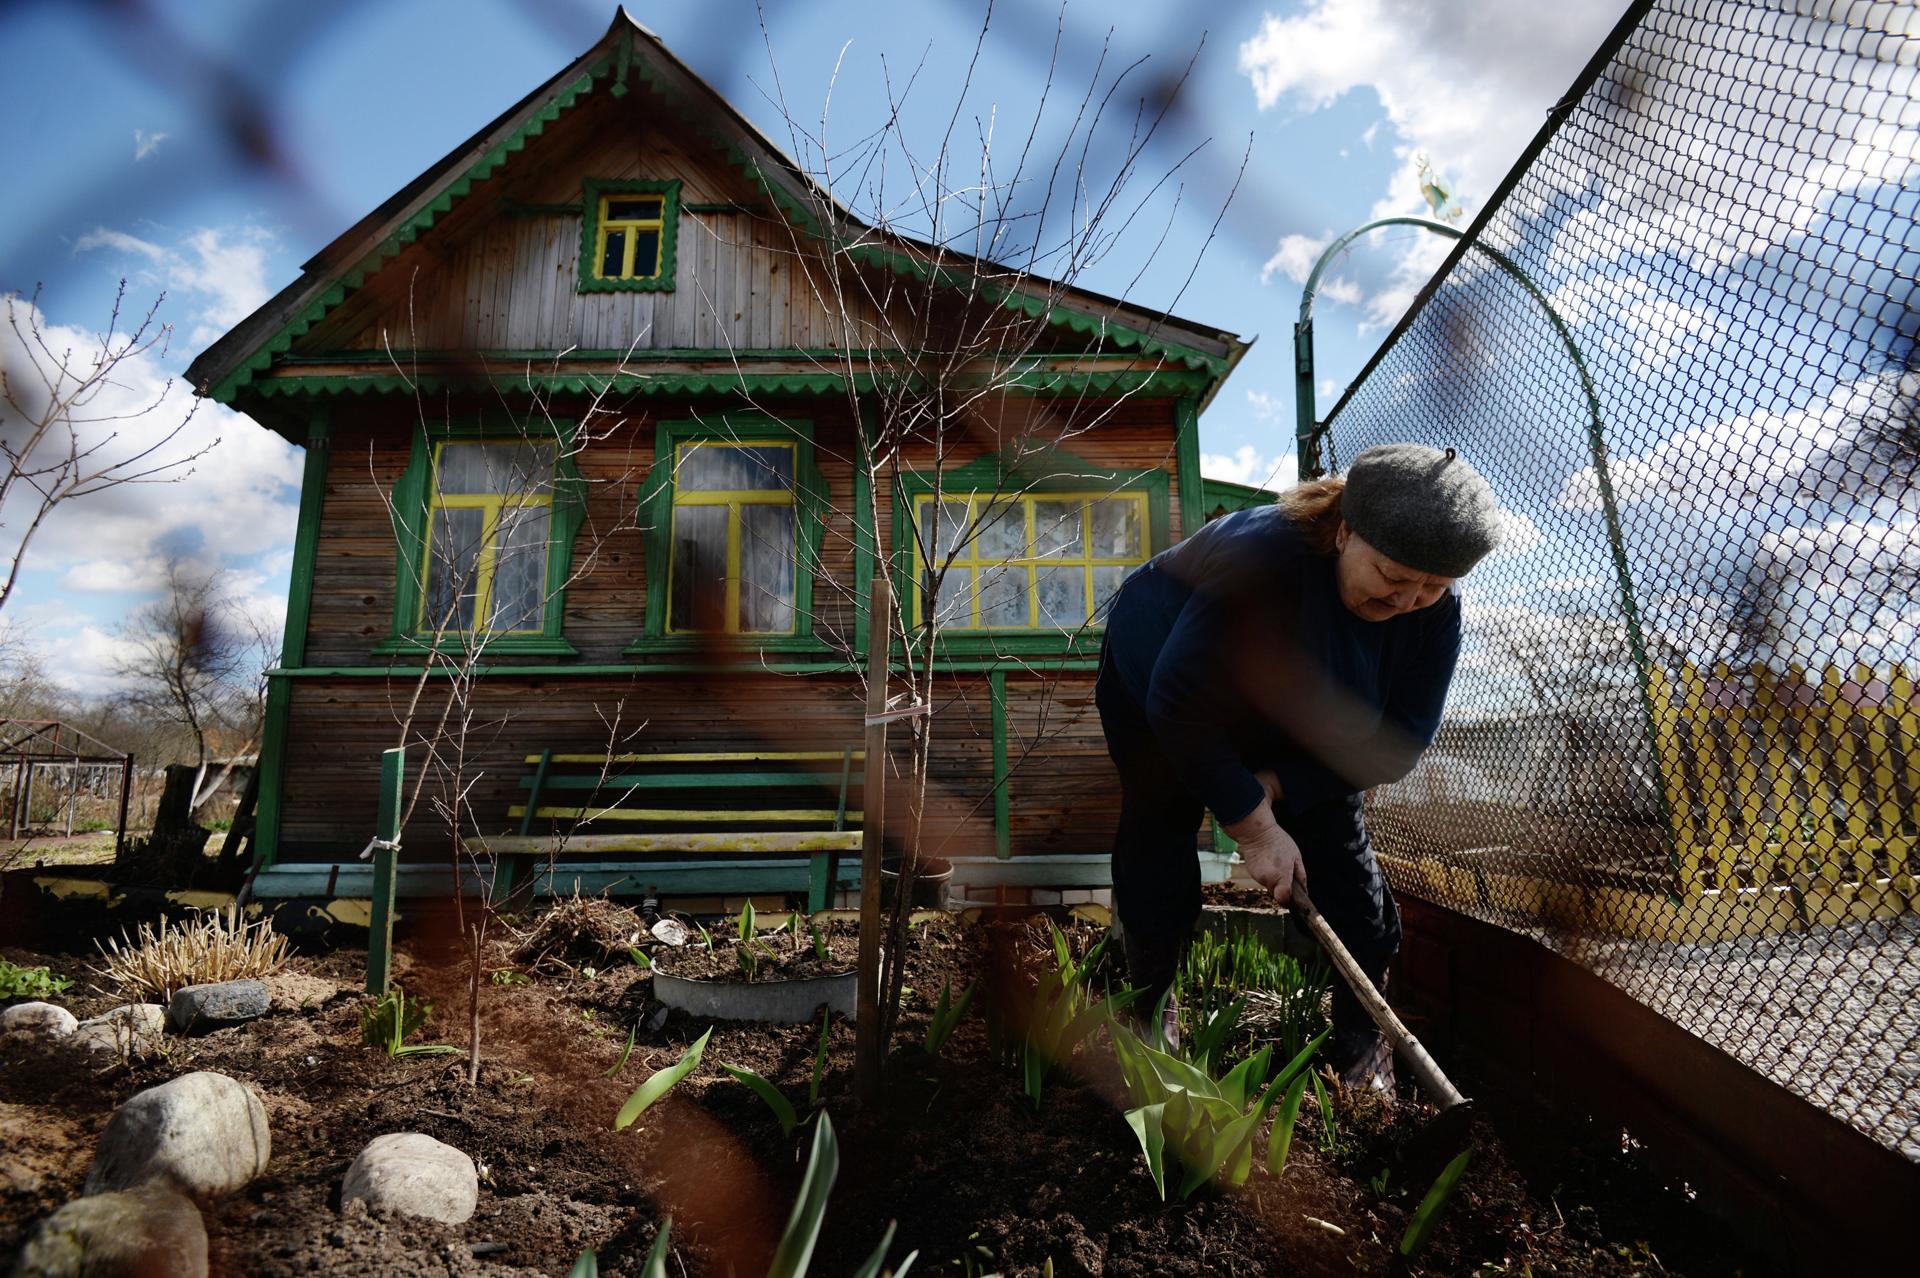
(621, 255)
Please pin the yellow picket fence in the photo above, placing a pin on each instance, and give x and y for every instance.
(1781, 780)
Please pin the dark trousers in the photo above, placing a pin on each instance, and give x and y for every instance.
(1156, 872)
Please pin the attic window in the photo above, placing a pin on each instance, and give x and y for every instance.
(627, 235)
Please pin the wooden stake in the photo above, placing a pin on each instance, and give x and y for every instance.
(873, 799)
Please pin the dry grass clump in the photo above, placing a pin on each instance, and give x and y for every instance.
(216, 946)
(579, 929)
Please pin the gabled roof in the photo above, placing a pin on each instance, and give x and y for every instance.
(629, 49)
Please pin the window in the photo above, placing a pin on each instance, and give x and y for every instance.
(734, 510)
(485, 522)
(627, 235)
(491, 507)
(734, 543)
(1032, 561)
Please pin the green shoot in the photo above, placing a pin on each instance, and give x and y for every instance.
(391, 1020)
(782, 1107)
(588, 1266)
(795, 1252)
(1184, 1115)
(656, 1266)
(819, 942)
(639, 957)
(1218, 970)
(706, 937)
(1326, 1115)
(507, 976)
(1064, 1014)
(1426, 1217)
(947, 1015)
(659, 1084)
(1280, 1140)
(749, 956)
(626, 1052)
(819, 1059)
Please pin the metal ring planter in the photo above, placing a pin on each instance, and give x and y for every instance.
(789, 1002)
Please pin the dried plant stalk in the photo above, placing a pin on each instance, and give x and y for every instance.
(216, 946)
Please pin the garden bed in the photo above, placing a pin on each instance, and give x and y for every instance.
(977, 1177)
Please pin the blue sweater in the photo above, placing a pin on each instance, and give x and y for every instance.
(1236, 648)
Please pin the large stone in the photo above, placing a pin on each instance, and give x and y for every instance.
(198, 1008)
(38, 1018)
(132, 1030)
(147, 1232)
(205, 1132)
(416, 1175)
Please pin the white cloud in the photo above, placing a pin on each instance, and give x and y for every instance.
(1649, 329)
(1752, 458)
(1246, 465)
(235, 503)
(1265, 407)
(145, 143)
(114, 576)
(1294, 258)
(102, 237)
(1466, 84)
(1572, 585)
(223, 271)
(1519, 535)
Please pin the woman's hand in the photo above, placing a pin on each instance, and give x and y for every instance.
(1270, 854)
(1273, 859)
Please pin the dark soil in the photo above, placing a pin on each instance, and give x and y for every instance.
(976, 1178)
(777, 956)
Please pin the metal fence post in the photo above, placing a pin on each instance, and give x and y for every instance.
(386, 855)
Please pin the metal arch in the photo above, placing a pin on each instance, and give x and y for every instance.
(1307, 437)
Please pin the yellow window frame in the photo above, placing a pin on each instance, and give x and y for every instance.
(733, 500)
(968, 556)
(495, 505)
(605, 223)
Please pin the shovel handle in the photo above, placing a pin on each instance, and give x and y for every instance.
(1405, 1045)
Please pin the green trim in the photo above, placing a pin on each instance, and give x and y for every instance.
(744, 647)
(293, 640)
(1193, 498)
(410, 229)
(615, 64)
(524, 208)
(526, 645)
(1233, 497)
(1038, 382)
(589, 279)
(866, 531)
(1056, 471)
(810, 501)
(306, 541)
(1057, 663)
(410, 517)
(273, 772)
(1002, 818)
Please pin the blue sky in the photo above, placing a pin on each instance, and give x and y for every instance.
(126, 164)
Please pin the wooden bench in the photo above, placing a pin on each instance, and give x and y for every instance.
(706, 813)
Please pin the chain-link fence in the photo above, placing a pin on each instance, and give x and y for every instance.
(1682, 745)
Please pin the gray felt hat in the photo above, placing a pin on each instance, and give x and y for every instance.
(1422, 507)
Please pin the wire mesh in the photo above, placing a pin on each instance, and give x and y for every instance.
(1682, 745)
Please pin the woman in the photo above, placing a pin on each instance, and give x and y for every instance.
(1269, 669)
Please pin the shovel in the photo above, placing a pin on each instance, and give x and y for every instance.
(1449, 1128)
